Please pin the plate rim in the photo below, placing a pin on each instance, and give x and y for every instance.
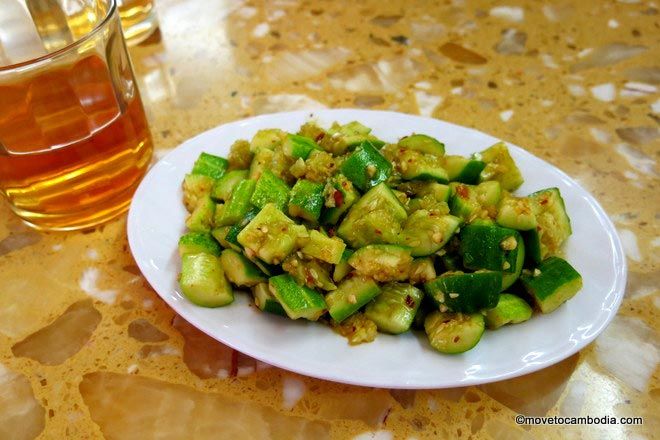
(619, 259)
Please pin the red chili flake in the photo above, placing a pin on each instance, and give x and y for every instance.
(331, 232)
(410, 302)
(462, 191)
(544, 201)
(319, 136)
(379, 232)
(339, 198)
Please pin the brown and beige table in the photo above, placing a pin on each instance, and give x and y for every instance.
(87, 349)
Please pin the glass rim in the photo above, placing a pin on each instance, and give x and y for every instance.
(68, 47)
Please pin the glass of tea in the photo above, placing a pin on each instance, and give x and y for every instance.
(138, 19)
(74, 140)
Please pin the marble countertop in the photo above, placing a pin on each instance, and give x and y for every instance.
(87, 349)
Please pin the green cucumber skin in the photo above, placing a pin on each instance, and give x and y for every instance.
(265, 300)
(555, 282)
(299, 147)
(359, 163)
(306, 200)
(240, 270)
(199, 242)
(464, 170)
(203, 281)
(298, 301)
(423, 143)
(362, 290)
(225, 185)
(481, 247)
(475, 291)
(510, 309)
(394, 309)
(454, 333)
(349, 195)
(426, 232)
(238, 205)
(210, 165)
(270, 189)
(201, 219)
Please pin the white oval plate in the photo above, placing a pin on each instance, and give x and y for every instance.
(156, 221)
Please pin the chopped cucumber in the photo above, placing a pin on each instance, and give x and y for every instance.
(426, 232)
(463, 169)
(271, 235)
(413, 165)
(270, 189)
(298, 147)
(394, 309)
(324, 248)
(309, 273)
(352, 134)
(423, 144)
(517, 213)
(238, 205)
(374, 218)
(475, 202)
(340, 195)
(454, 333)
(485, 245)
(342, 268)
(298, 301)
(510, 309)
(239, 270)
(553, 283)
(421, 270)
(500, 167)
(382, 262)
(210, 165)
(465, 292)
(266, 301)
(203, 281)
(225, 185)
(436, 190)
(366, 167)
(267, 139)
(350, 296)
(198, 242)
(452, 262)
(306, 200)
(262, 161)
(195, 188)
(201, 219)
(553, 225)
(222, 234)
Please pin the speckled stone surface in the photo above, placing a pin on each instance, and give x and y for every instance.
(88, 350)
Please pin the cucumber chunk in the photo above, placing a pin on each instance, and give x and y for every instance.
(426, 232)
(271, 235)
(195, 188)
(266, 301)
(198, 242)
(510, 309)
(239, 270)
(261, 162)
(270, 189)
(374, 218)
(423, 144)
(554, 282)
(500, 167)
(350, 296)
(485, 245)
(394, 309)
(348, 136)
(210, 165)
(465, 292)
(414, 165)
(267, 139)
(340, 195)
(298, 147)
(342, 268)
(323, 247)
(382, 262)
(238, 205)
(221, 234)
(225, 185)
(421, 270)
(298, 301)
(463, 169)
(454, 333)
(437, 191)
(201, 219)
(475, 202)
(553, 225)
(366, 167)
(306, 200)
(517, 213)
(203, 281)
(308, 273)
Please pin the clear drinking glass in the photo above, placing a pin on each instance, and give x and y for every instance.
(74, 140)
(138, 19)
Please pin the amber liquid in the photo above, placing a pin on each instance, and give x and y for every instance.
(138, 19)
(71, 150)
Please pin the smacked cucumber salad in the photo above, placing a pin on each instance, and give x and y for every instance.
(338, 226)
